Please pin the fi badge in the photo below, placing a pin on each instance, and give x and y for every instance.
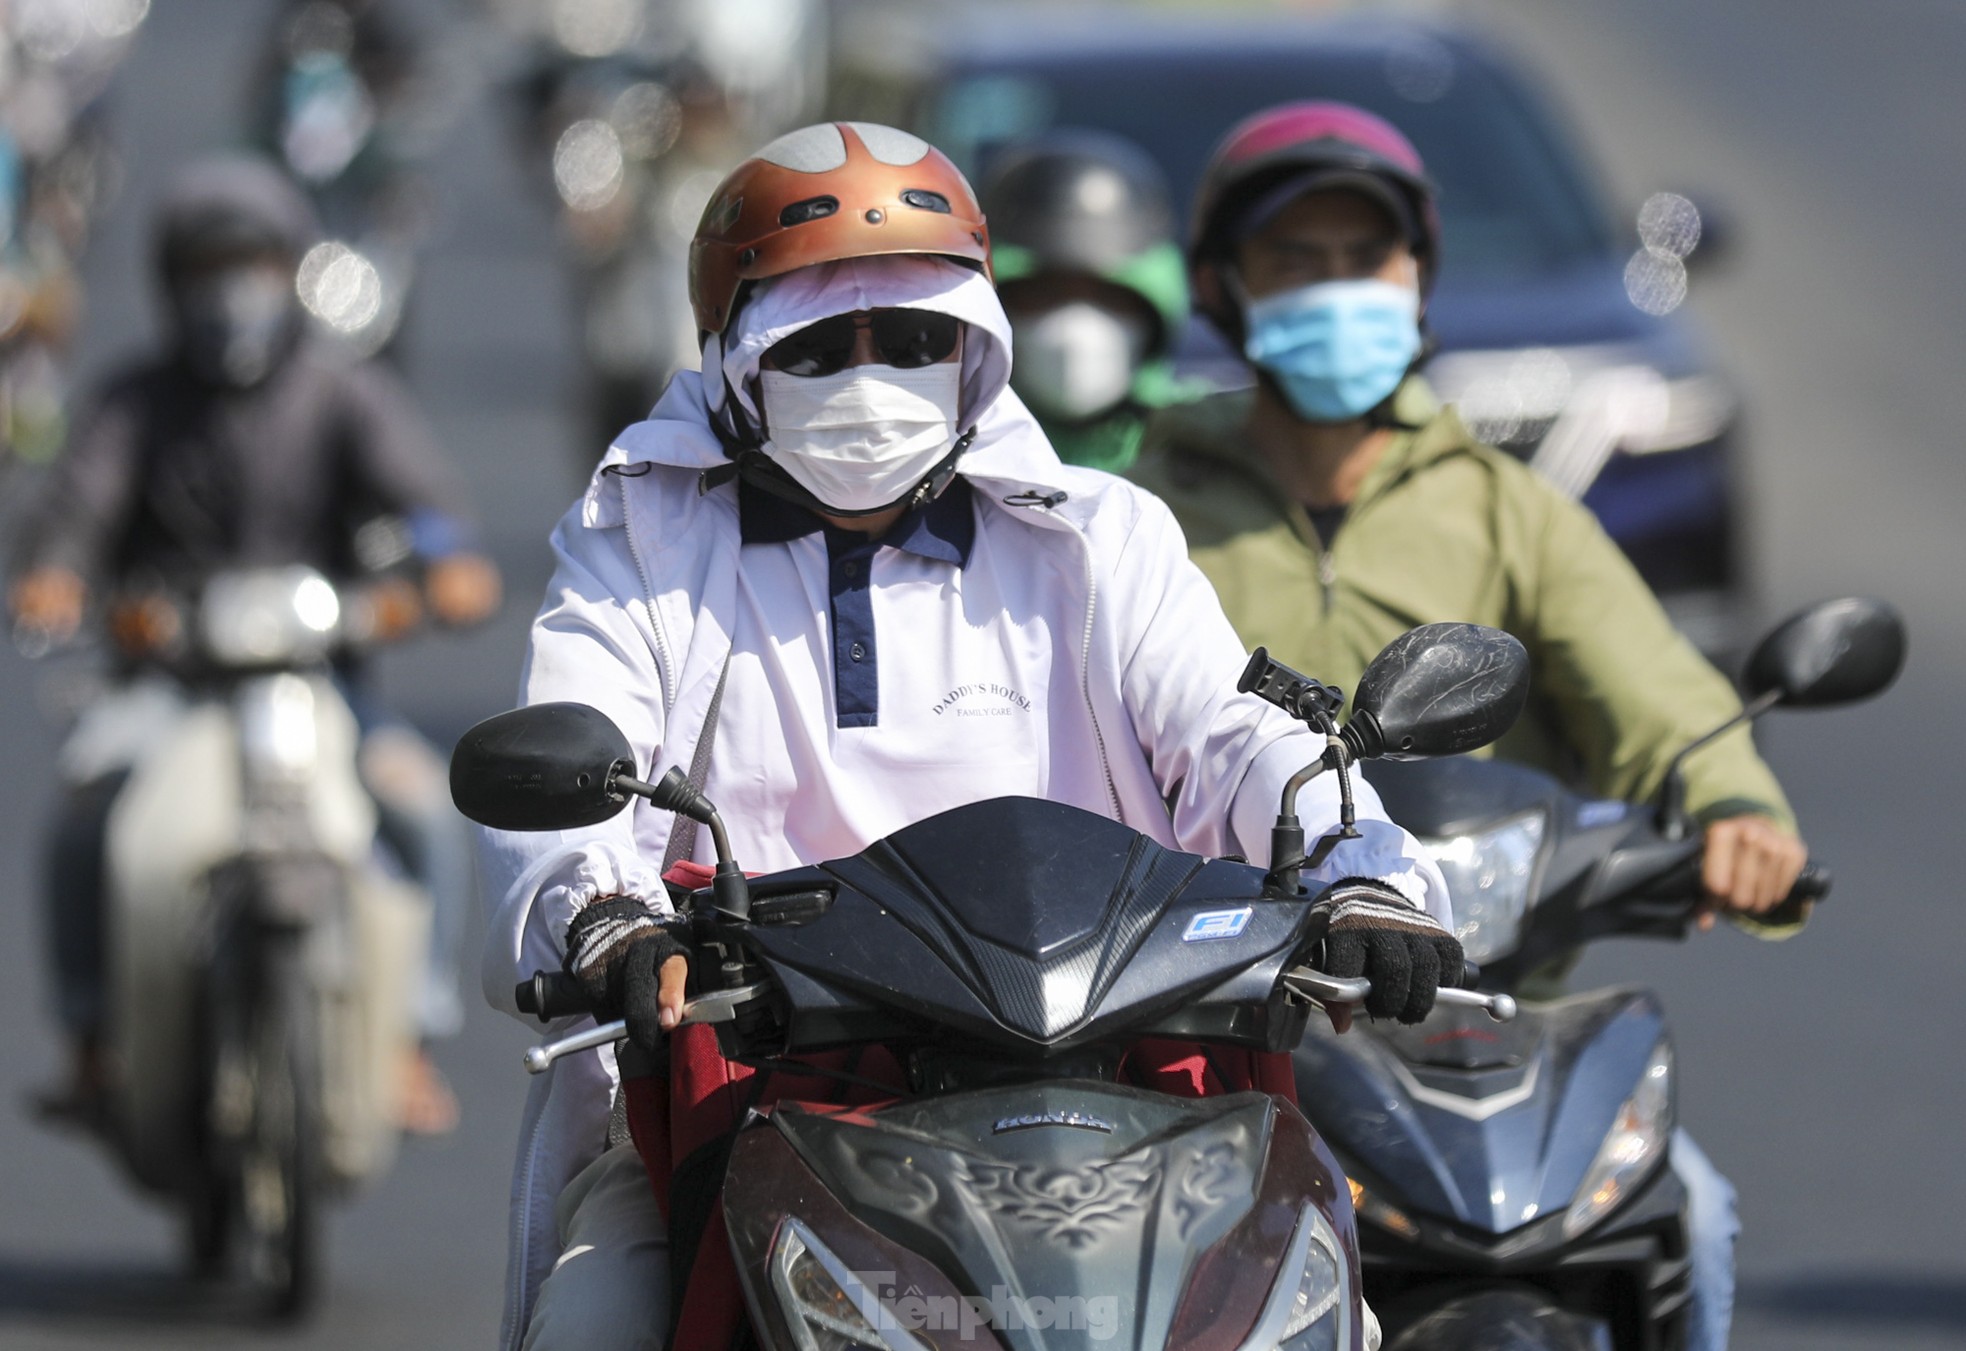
(1216, 924)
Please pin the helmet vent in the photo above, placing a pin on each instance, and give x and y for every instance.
(809, 150)
(812, 208)
(890, 145)
(923, 200)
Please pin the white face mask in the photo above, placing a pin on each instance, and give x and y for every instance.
(1076, 361)
(865, 437)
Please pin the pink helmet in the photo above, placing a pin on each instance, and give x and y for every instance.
(1296, 147)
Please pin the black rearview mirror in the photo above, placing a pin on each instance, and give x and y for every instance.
(1440, 689)
(1835, 652)
(547, 767)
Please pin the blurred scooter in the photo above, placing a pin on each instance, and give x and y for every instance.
(262, 959)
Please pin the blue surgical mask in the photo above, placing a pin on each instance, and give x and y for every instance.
(1337, 348)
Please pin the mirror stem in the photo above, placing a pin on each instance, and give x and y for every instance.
(730, 894)
(1287, 859)
(1672, 793)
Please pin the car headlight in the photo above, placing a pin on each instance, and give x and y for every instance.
(1570, 409)
(828, 1307)
(1488, 880)
(1307, 1309)
(1635, 1143)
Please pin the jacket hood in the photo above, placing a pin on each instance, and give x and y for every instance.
(784, 305)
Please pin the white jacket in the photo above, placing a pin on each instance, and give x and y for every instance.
(638, 621)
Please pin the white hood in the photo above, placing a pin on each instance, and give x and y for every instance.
(784, 305)
(1009, 445)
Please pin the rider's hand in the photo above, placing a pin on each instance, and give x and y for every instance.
(463, 589)
(391, 607)
(1377, 933)
(629, 966)
(1748, 866)
(49, 601)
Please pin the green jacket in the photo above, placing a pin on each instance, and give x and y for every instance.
(1444, 528)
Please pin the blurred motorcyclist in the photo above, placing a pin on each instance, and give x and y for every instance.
(1339, 503)
(850, 583)
(1083, 248)
(245, 443)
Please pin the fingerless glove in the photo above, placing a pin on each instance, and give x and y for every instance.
(616, 948)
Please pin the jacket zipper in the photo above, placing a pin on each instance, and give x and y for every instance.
(1085, 654)
(1299, 518)
(670, 676)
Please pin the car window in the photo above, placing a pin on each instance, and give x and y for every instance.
(1512, 203)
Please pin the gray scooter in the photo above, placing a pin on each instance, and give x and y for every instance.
(1510, 1180)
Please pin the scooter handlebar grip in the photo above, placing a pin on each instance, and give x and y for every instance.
(551, 994)
(1813, 884)
(1470, 975)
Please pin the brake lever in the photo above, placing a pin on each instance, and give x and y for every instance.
(718, 1006)
(1354, 990)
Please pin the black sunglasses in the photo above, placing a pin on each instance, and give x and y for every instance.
(904, 338)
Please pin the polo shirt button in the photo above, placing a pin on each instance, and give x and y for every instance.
(858, 652)
(849, 569)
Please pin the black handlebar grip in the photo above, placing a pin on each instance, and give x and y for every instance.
(1470, 975)
(1813, 884)
(551, 994)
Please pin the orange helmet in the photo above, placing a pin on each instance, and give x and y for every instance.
(823, 193)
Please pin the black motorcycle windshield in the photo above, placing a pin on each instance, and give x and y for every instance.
(1029, 918)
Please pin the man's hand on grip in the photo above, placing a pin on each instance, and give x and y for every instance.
(1377, 933)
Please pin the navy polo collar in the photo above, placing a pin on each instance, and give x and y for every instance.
(944, 529)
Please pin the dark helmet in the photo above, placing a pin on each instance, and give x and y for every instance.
(1297, 148)
(234, 320)
(229, 207)
(1079, 200)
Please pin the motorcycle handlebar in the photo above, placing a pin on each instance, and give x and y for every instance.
(1812, 885)
(551, 994)
(720, 1006)
(1681, 885)
(1356, 989)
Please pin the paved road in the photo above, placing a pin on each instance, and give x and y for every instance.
(1819, 1074)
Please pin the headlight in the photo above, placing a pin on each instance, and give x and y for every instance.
(1307, 1309)
(1636, 1142)
(826, 1305)
(1488, 879)
(1572, 408)
(264, 617)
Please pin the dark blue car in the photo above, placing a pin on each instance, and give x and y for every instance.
(1558, 329)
